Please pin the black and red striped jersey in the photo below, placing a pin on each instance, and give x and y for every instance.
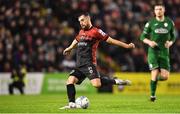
(88, 41)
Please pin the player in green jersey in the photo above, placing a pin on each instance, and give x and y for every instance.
(159, 35)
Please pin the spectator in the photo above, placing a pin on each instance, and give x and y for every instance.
(35, 32)
(18, 75)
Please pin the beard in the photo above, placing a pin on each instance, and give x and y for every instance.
(85, 27)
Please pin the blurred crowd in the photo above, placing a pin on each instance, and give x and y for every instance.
(35, 33)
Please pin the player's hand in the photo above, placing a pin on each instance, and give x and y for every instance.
(168, 44)
(153, 44)
(131, 45)
(67, 51)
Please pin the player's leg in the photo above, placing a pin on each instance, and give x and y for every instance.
(106, 80)
(20, 86)
(71, 92)
(76, 77)
(154, 67)
(98, 80)
(164, 74)
(165, 68)
(153, 83)
(11, 86)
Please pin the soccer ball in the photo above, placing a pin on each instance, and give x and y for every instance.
(83, 102)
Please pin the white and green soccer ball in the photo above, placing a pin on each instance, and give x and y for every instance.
(83, 102)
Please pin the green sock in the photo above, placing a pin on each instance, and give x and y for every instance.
(160, 78)
(153, 86)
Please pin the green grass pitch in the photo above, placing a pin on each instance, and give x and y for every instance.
(99, 103)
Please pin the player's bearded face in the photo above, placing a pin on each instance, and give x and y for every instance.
(84, 22)
(159, 11)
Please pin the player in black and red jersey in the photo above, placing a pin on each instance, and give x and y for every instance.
(87, 42)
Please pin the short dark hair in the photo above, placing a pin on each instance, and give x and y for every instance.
(83, 13)
(159, 4)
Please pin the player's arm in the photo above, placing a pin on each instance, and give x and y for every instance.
(168, 44)
(73, 45)
(103, 36)
(145, 36)
(119, 43)
(150, 42)
(172, 37)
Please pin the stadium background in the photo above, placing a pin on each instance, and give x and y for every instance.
(35, 33)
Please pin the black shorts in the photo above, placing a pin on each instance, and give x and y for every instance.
(82, 72)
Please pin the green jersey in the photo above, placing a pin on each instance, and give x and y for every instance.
(159, 31)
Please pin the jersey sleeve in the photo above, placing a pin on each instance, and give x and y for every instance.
(77, 38)
(172, 32)
(102, 35)
(146, 31)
